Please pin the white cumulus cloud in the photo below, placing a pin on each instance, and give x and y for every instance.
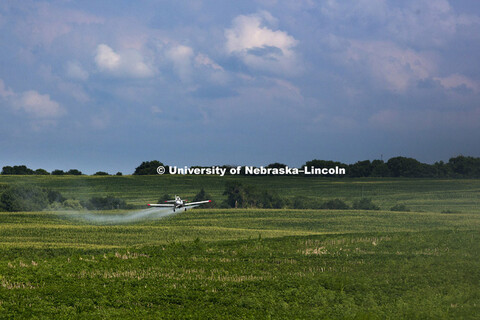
(127, 63)
(259, 46)
(38, 105)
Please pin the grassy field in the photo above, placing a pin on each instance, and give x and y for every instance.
(430, 195)
(247, 263)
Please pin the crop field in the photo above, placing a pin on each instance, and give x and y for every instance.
(246, 263)
(431, 195)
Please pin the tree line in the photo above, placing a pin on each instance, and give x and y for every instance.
(456, 167)
(24, 170)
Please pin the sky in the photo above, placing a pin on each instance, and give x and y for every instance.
(105, 85)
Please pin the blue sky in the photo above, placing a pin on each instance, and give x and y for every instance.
(105, 85)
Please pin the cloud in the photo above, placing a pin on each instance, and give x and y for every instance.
(38, 105)
(204, 60)
(4, 91)
(430, 22)
(74, 90)
(400, 44)
(422, 23)
(457, 81)
(43, 23)
(190, 67)
(106, 58)
(427, 23)
(290, 5)
(127, 63)
(394, 67)
(212, 74)
(363, 10)
(261, 47)
(75, 71)
(181, 56)
(342, 60)
(156, 109)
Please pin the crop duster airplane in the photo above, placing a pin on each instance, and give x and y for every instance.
(178, 203)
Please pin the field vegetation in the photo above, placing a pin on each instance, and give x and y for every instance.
(246, 263)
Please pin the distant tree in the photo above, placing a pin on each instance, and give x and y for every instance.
(465, 166)
(405, 167)
(335, 204)
(23, 170)
(236, 194)
(54, 196)
(149, 168)
(23, 198)
(58, 172)
(365, 204)
(41, 172)
(72, 204)
(277, 165)
(442, 169)
(380, 169)
(399, 207)
(17, 170)
(165, 197)
(360, 169)
(100, 173)
(74, 172)
(202, 196)
(268, 200)
(7, 170)
(303, 202)
(243, 196)
(106, 203)
(119, 173)
(300, 202)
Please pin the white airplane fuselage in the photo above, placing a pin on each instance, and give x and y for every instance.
(179, 203)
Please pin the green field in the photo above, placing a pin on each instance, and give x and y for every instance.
(247, 263)
(429, 195)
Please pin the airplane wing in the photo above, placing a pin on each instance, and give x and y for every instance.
(160, 205)
(196, 203)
